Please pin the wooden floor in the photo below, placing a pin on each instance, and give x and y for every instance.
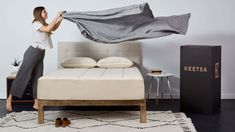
(221, 122)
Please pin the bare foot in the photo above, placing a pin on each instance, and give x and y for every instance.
(9, 103)
(35, 106)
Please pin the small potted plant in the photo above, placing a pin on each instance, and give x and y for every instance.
(16, 64)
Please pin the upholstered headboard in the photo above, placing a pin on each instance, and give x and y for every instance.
(98, 51)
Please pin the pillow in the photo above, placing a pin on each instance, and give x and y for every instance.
(114, 62)
(79, 62)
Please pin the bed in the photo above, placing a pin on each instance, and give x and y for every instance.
(93, 86)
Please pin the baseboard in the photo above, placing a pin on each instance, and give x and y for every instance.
(177, 96)
(228, 96)
(165, 96)
(2, 96)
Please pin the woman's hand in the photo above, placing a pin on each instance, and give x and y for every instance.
(60, 13)
(60, 19)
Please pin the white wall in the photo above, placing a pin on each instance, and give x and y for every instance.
(211, 22)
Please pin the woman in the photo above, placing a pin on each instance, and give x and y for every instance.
(32, 65)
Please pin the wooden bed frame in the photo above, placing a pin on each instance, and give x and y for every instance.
(130, 50)
(43, 103)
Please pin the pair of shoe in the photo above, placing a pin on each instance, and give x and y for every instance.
(62, 123)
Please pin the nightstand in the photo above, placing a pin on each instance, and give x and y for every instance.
(160, 84)
(27, 96)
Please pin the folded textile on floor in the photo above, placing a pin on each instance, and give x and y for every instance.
(127, 23)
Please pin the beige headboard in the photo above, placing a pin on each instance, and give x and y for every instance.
(98, 51)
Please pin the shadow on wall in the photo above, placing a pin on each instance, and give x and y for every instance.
(153, 53)
(174, 82)
(165, 54)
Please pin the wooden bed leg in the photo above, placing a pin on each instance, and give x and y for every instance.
(143, 112)
(40, 113)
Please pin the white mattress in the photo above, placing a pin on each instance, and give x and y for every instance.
(92, 84)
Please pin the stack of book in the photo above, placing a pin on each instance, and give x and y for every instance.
(156, 71)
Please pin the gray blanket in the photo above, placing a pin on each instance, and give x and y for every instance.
(127, 23)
